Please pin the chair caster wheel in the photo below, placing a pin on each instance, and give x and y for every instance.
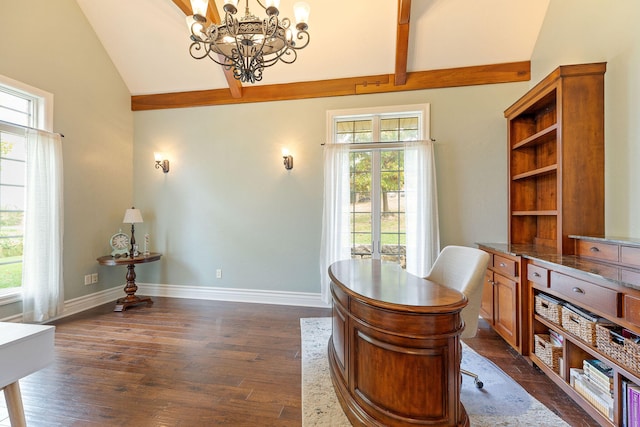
(479, 384)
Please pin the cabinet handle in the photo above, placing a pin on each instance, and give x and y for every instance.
(536, 274)
(502, 264)
(594, 249)
(577, 290)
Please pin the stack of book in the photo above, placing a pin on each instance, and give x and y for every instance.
(630, 404)
(594, 382)
(599, 374)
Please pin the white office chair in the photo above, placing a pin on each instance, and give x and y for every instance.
(463, 269)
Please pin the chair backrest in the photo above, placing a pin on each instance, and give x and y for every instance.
(463, 269)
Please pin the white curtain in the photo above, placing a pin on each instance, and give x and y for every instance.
(335, 245)
(42, 285)
(421, 199)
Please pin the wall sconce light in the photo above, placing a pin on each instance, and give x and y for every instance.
(161, 162)
(288, 159)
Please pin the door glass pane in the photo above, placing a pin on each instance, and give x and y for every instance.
(392, 206)
(360, 204)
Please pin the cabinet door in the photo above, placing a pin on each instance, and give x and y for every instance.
(506, 308)
(486, 306)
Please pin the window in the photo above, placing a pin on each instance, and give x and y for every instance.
(376, 180)
(20, 107)
(380, 197)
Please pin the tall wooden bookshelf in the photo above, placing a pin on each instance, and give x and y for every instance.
(556, 159)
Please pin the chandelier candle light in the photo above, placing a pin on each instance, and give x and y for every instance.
(247, 45)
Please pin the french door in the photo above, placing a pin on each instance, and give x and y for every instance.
(377, 205)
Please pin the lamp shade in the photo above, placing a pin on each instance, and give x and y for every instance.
(132, 216)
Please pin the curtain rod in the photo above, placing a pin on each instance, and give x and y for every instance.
(380, 143)
(2, 122)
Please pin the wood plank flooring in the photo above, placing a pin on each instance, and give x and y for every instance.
(201, 363)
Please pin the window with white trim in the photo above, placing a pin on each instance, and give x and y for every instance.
(20, 106)
(376, 171)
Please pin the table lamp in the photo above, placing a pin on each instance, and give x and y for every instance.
(132, 216)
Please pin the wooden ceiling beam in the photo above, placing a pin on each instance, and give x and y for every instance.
(235, 87)
(402, 42)
(451, 77)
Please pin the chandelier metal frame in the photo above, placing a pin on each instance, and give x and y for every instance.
(247, 45)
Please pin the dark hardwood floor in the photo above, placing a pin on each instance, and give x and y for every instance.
(201, 363)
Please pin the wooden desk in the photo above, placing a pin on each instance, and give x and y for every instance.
(395, 351)
(130, 288)
(24, 349)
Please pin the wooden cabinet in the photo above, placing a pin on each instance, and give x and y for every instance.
(596, 281)
(555, 136)
(501, 297)
(486, 305)
(505, 319)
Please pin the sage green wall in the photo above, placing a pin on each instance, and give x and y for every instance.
(50, 45)
(228, 202)
(582, 31)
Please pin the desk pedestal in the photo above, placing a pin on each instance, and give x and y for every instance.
(395, 352)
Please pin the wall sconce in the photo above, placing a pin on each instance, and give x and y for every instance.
(288, 159)
(161, 162)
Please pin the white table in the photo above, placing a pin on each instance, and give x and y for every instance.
(24, 349)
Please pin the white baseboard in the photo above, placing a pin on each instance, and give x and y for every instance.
(304, 299)
(76, 305)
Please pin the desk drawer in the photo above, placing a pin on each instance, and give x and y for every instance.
(538, 275)
(597, 250)
(505, 265)
(586, 294)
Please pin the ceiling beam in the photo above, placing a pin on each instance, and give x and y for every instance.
(235, 87)
(451, 77)
(402, 42)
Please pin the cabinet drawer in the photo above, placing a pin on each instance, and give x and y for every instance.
(607, 271)
(538, 275)
(630, 256)
(586, 294)
(597, 250)
(505, 265)
(630, 277)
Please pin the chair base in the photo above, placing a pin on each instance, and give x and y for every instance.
(476, 380)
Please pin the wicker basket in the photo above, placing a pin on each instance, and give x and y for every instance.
(618, 348)
(547, 352)
(547, 309)
(583, 328)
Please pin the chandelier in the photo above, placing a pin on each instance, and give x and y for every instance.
(247, 45)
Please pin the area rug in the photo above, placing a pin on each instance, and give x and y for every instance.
(502, 402)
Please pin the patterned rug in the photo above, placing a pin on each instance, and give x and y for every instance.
(502, 402)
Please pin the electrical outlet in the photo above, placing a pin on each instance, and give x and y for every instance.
(87, 279)
(219, 273)
(94, 278)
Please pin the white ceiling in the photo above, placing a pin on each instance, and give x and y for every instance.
(148, 39)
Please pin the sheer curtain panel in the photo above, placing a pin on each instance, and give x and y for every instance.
(421, 198)
(42, 285)
(335, 245)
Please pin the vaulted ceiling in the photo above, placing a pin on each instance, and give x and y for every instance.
(357, 46)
